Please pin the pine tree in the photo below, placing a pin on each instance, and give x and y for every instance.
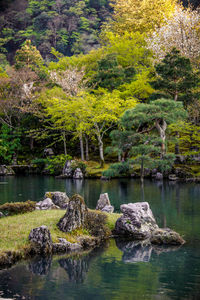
(176, 77)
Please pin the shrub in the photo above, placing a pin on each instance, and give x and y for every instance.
(78, 164)
(39, 163)
(17, 207)
(55, 164)
(96, 224)
(118, 170)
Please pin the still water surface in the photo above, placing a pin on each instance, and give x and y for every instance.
(118, 270)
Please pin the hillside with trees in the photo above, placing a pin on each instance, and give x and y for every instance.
(114, 82)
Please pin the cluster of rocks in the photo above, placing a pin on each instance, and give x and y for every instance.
(53, 200)
(138, 223)
(68, 171)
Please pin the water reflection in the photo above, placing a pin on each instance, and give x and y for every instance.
(138, 251)
(40, 265)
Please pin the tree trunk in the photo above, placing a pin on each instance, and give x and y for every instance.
(81, 146)
(31, 143)
(101, 154)
(176, 96)
(86, 148)
(162, 129)
(119, 157)
(64, 142)
(142, 171)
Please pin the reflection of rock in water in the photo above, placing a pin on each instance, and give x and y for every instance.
(78, 266)
(134, 251)
(140, 251)
(40, 265)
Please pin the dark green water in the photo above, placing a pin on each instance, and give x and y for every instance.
(116, 271)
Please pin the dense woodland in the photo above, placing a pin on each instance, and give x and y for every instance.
(115, 81)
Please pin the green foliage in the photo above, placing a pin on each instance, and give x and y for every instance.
(40, 163)
(17, 207)
(55, 164)
(10, 143)
(78, 164)
(121, 169)
(176, 78)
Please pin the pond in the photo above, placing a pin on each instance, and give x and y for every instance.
(117, 270)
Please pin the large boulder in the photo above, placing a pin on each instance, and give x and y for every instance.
(46, 204)
(75, 215)
(138, 223)
(59, 198)
(104, 203)
(40, 238)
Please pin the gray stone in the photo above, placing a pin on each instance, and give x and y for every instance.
(1, 215)
(103, 201)
(75, 215)
(64, 246)
(137, 221)
(166, 236)
(40, 239)
(172, 177)
(59, 198)
(6, 170)
(78, 174)
(48, 152)
(67, 170)
(108, 209)
(46, 204)
(159, 176)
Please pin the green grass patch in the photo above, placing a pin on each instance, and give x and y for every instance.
(93, 169)
(14, 230)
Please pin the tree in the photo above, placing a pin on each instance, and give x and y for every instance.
(28, 56)
(181, 31)
(140, 15)
(91, 114)
(145, 118)
(175, 77)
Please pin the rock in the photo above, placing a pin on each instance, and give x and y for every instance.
(172, 177)
(180, 159)
(40, 239)
(48, 152)
(75, 215)
(78, 174)
(108, 208)
(166, 236)
(46, 204)
(103, 201)
(59, 199)
(1, 215)
(67, 170)
(6, 170)
(159, 176)
(64, 246)
(137, 221)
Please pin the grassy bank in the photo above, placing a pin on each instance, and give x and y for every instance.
(14, 230)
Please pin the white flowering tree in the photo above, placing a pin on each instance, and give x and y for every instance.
(181, 31)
